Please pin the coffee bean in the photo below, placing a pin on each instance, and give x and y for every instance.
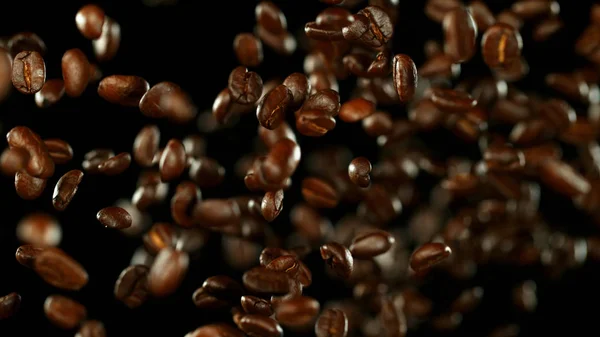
(40, 164)
(297, 312)
(40, 230)
(59, 150)
(186, 195)
(338, 258)
(167, 272)
(532, 9)
(28, 72)
(260, 326)
(114, 217)
(60, 270)
(452, 101)
(146, 145)
(93, 159)
(300, 88)
(13, 160)
(356, 110)
(501, 45)
(332, 323)
(314, 123)
(482, 15)
(172, 161)
(26, 41)
(245, 86)
(65, 189)
(468, 300)
(9, 305)
(271, 137)
(123, 89)
(75, 72)
(89, 21)
(359, 170)
(428, 255)
(282, 43)
(216, 213)
(270, 17)
(115, 165)
(206, 172)
(437, 9)
(52, 91)
(107, 45)
(91, 329)
(248, 49)
(160, 236)
(405, 77)
(272, 205)
(217, 292)
(547, 28)
(371, 244)
(64, 312)
(216, 330)
(393, 321)
(371, 27)
(460, 33)
(559, 113)
(256, 305)
(26, 255)
(131, 287)
(29, 187)
(263, 280)
(561, 177)
(378, 124)
(318, 193)
(273, 106)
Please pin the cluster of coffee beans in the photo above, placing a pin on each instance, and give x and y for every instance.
(450, 187)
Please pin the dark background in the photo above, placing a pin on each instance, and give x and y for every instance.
(190, 44)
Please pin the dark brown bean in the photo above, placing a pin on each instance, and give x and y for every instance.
(482, 15)
(64, 312)
(65, 189)
(26, 255)
(501, 45)
(440, 66)
(300, 88)
(263, 280)
(29, 187)
(222, 109)
(260, 326)
(107, 45)
(460, 33)
(91, 329)
(28, 72)
(9, 305)
(154, 102)
(378, 124)
(248, 49)
(428, 255)
(272, 205)
(270, 17)
(273, 106)
(297, 312)
(123, 89)
(468, 300)
(338, 258)
(356, 110)
(167, 272)
(283, 43)
(206, 172)
(216, 213)
(40, 163)
(452, 101)
(332, 323)
(52, 91)
(114, 217)
(561, 177)
(40, 230)
(75, 72)
(546, 28)
(160, 236)
(371, 26)
(204, 300)
(282, 161)
(325, 100)
(172, 161)
(13, 160)
(559, 113)
(195, 146)
(359, 172)
(216, 330)
(319, 193)
(393, 321)
(59, 150)
(186, 195)
(89, 20)
(223, 288)
(60, 270)
(271, 137)
(131, 287)
(371, 244)
(256, 305)
(146, 145)
(115, 165)
(93, 159)
(437, 9)
(245, 86)
(314, 123)
(532, 9)
(405, 77)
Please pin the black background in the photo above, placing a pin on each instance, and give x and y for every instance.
(190, 44)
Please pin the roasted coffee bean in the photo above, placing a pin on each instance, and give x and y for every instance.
(452, 101)
(40, 230)
(60, 270)
(115, 165)
(29, 187)
(91, 329)
(204, 300)
(13, 160)
(93, 159)
(440, 66)
(256, 305)
(359, 171)
(26, 255)
(314, 123)
(319, 193)
(371, 244)
(114, 217)
(216, 330)
(283, 43)
(273, 106)
(160, 236)
(65, 189)
(222, 109)
(260, 326)
(28, 72)
(52, 91)
(131, 287)
(297, 312)
(263, 280)
(64, 312)
(532, 9)
(325, 100)
(468, 300)
(195, 146)
(245, 86)
(217, 291)
(40, 164)
(378, 124)
(107, 45)
(428, 255)
(356, 110)
(206, 172)
(167, 272)
(460, 33)
(59, 150)
(272, 205)
(172, 161)
(282, 161)
(145, 145)
(26, 41)
(9, 305)
(216, 213)
(437, 9)
(270, 17)
(501, 45)
(405, 77)
(123, 89)
(392, 321)
(371, 27)
(248, 49)
(332, 323)
(158, 101)
(559, 113)
(338, 258)
(300, 88)
(75, 72)
(482, 15)
(561, 177)
(186, 195)
(271, 137)
(89, 21)
(545, 29)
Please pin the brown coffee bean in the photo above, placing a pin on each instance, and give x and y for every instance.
(371, 27)
(59, 150)
(114, 217)
(26, 255)
(115, 165)
(167, 272)
(154, 102)
(172, 161)
(338, 258)
(405, 77)
(319, 193)
(52, 91)
(65, 189)
(468, 300)
(40, 163)
(356, 110)
(562, 178)
(270, 17)
(378, 124)
(186, 195)
(206, 172)
(260, 326)
(89, 21)
(283, 43)
(29, 187)
(282, 161)
(273, 106)
(60, 270)
(437, 9)
(545, 29)
(146, 145)
(13, 160)
(216, 330)
(256, 306)
(28, 72)
(131, 287)
(123, 89)
(452, 101)
(532, 9)
(559, 113)
(160, 236)
(501, 45)
(222, 288)
(482, 15)
(271, 137)
(64, 312)
(245, 86)
(195, 146)
(428, 255)
(460, 33)
(332, 323)
(300, 88)
(75, 72)
(371, 244)
(91, 329)
(359, 170)
(393, 321)
(297, 312)
(314, 123)
(216, 213)
(204, 300)
(93, 159)
(107, 45)
(9, 305)
(325, 100)
(248, 49)
(272, 205)
(263, 280)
